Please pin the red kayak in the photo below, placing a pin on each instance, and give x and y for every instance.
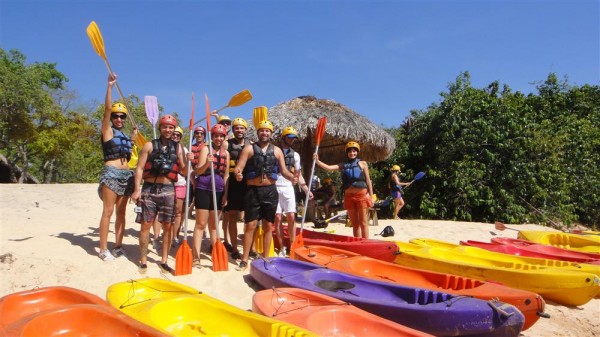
(532, 249)
(64, 311)
(377, 249)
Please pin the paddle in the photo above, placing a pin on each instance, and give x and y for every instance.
(417, 177)
(238, 99)
(320, 131)
(261, 113)
(183, 258)
(219, 253)
(95, 36)
(151, 104)
(500, 226)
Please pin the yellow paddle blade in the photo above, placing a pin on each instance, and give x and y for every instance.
(140, 140)
(261, 113)
(258, 240)
(240, 98)
(95, 36)
(134, 157)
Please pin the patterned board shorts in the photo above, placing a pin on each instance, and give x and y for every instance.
(157, 199)
(117, 180)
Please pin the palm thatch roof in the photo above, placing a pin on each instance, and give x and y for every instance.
(343, 125)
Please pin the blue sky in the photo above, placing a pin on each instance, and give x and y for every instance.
(379, 58)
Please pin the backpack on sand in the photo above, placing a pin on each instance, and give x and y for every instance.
(387, 231)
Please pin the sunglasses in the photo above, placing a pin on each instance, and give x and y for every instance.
(176, 135)
(198, 133)
(117, 116)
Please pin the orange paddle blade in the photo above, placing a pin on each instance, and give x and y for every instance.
(298, 243)
(183, 259)
(321, 124)
(499, 226)
(207, 113)
(220, 259)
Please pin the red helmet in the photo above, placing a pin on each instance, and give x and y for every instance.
(168, 120)
(200, 128)
(219, 129)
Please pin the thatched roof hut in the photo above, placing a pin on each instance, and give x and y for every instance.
(343, 125)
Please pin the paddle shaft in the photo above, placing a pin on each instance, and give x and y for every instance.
(310, 181)
(214, 192)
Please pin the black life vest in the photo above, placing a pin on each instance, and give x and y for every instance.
(262, 163)
(196, 148)
(220, 163)
(234, 148)
(353, 175)
(162, 162)
(117, 147)
(288, 158)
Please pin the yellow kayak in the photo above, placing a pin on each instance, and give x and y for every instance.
(571, 288)
(180, 310)
(516, 259)
(577, 242)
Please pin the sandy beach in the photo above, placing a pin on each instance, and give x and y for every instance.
(49, 237)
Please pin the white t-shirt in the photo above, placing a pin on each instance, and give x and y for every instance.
(281, 180)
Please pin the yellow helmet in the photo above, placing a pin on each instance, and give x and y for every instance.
(179, 130)
(224, 119)
(118, 107)
(395, 168)
(328, 180)
(265, 125)
(289, 131)
(239, 122)
(352, 144)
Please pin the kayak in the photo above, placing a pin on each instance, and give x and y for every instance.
(436, 313)
(377, 249)
(530, 304)
(538, 251)
(577, 242)
(177, 309)
(325, 315)
(54, 311)
(564, 287)
(495, 257)
(545, 248)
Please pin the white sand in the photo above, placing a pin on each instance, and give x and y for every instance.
(49, 236)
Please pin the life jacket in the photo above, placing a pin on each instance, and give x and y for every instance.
(117, 147)
(262, 163)
(196, 148)
(288, 158)
(393, 186)
(352, 175)
(220, 163)
(162, 163)
(234, 148)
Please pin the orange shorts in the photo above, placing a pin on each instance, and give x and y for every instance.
(357, 200)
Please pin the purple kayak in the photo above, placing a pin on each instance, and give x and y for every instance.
(434, 312)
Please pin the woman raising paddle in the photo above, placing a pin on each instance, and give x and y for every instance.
(358, 190)
(116, 180)
(396, 191)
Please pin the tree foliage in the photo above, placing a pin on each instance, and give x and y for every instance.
(494, 154)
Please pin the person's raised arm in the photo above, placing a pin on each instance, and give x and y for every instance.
(106, 124)
(325, 166)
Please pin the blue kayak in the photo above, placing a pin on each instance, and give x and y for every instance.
(434, 312)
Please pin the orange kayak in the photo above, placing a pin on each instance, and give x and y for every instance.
(529, 303)
(325, 315)
(64, 311)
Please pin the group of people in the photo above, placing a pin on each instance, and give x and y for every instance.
(255, 179)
